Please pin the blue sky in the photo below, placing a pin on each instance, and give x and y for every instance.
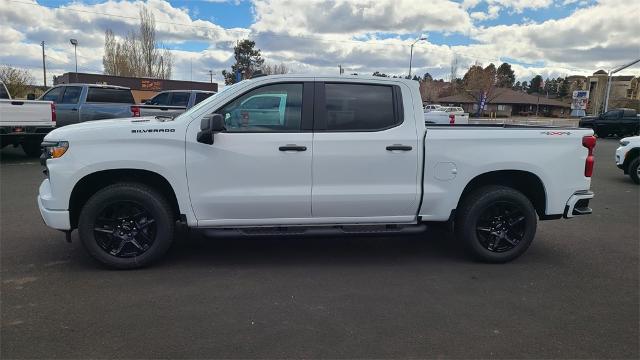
(547, 37)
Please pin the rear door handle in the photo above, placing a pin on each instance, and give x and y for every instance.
(399, 147)
(292, 147)
(74, 109)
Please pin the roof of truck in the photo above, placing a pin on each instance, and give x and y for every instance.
(95, 85)
(334, 76)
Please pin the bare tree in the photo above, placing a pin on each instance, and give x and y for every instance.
(16, 80)
(139, 53)
(274, 69)
(454, 68)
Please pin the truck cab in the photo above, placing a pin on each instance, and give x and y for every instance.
(77, 103)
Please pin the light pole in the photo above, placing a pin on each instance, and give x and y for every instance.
(606, 99)
(74, 42)
(411, 56)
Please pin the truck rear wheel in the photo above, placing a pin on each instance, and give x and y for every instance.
(496, 223)
(634, 170)
(126, 225)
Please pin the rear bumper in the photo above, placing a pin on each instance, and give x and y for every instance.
(56, 219)
(578, 204)
(10, 135)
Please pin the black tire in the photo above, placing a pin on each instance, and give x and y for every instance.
(31, 148)
(601, 133)
(632, 170)
(102, 237)
(496, 239)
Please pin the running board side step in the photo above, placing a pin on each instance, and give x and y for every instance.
(357, 230)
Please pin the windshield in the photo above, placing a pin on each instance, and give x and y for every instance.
(205, 102)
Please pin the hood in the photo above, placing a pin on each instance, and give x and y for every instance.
(103, 128)
(632, 139)
(588, 118)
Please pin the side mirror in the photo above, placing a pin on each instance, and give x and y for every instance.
(31, 96)
(210, 125)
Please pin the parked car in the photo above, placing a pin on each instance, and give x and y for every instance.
(354, 157)
(25, 122)
(447, 115)
(628, 157)
(83, 102)
(172, 103)
(620, 122)
(432, 107)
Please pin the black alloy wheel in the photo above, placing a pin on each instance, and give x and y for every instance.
(125, 229)
(495, 223)
(127, 225)
(501, 226)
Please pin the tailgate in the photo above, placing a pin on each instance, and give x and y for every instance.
(26, 113)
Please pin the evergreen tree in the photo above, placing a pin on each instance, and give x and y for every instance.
(505, 76)
(536, 84)
(248, 60)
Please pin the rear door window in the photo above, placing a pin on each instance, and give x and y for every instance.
(71, 95)
(110, 95)
(201, 96)
(179, 99)
(359, 107)
(160, 99)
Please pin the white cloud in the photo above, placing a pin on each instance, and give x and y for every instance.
(363, 36)
(359, 16)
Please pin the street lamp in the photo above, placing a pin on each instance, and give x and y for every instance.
(411, 56)
(606, 99)
(74, 42)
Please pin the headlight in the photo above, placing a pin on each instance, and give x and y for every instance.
(624, 142)
(54, 149)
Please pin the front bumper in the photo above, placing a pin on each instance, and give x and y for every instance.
(578, 204)
(56, 219)
(621, 154)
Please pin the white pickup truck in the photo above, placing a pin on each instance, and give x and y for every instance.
(25, 122)
(451, 115)
(342, 156)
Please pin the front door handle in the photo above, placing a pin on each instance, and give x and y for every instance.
(399, 147)
(292, 147)
(74, 109)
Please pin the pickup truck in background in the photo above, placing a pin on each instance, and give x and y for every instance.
(431, 107)
(25, 122)
(446, 115)
(621, 122)
(84, 102)
(172, 103)
(331, 155)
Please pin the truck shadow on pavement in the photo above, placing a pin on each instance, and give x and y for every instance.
(435, 244)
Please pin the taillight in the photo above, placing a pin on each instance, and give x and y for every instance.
(135, 111)
(452, 119)
(590, 143)
(53, 112)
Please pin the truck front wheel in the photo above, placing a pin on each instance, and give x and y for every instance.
(126, 225)
(496, 223)
(634, 170)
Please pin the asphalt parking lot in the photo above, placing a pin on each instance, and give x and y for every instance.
(574, 294)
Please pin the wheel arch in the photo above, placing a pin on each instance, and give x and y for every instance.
(632, 154)
(526, 182)
(93, 182)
